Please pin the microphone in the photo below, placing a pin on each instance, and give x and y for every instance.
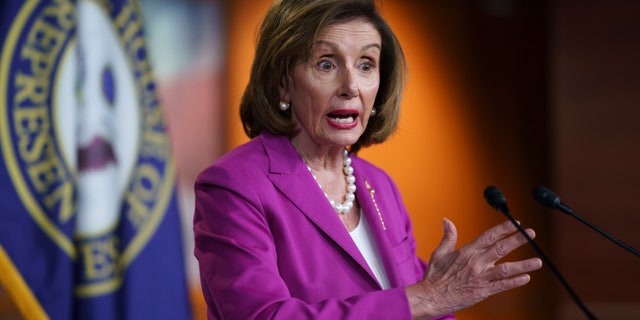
(550, 200)
(496, 199)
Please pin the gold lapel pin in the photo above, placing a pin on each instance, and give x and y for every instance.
(375, 204)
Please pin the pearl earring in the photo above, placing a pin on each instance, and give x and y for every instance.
(284, 106)
(373, 112)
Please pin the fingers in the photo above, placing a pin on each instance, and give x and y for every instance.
(493, 235)
(497, 242)
(512, 275)
(449, 239)
(503, 247)
(511, 269)
(508, 284)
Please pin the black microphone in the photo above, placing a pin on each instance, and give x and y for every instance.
(552, 201)
(496, 199)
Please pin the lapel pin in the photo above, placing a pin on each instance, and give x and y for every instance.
(375, 204)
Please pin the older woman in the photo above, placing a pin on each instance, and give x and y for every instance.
(293, 224)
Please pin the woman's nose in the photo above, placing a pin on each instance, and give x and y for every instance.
(349, 85)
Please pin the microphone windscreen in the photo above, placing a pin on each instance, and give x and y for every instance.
(494, 197)
(546, 197)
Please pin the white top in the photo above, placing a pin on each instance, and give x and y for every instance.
(363, 238)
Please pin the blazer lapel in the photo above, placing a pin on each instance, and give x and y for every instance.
(289, 174)
(370, 202)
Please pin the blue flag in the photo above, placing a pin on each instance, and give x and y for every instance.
(89, 223)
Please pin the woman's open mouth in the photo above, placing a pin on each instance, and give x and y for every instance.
(343, 119)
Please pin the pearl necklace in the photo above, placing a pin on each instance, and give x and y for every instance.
(344, 207)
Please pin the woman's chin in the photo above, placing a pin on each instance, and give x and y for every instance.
(347, 139)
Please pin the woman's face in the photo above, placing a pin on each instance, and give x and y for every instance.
(332, 94)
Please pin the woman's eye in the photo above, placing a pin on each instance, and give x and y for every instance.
(325, 65)
(367, 66)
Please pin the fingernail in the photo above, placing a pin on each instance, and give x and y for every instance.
(537, 263)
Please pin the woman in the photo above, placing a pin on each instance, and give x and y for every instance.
(292, 224)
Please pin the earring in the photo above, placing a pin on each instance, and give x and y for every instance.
(283, 106)
(373, 112)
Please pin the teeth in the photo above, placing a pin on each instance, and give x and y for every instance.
(343, 120)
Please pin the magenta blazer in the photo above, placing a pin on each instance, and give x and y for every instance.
(270, 246)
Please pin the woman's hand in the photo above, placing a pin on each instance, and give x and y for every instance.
(457, 279)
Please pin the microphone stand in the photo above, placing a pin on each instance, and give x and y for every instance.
(495, 199)
(570, 212)
(551, 266)
(550, 200)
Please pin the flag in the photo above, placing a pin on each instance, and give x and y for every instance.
(89, 222)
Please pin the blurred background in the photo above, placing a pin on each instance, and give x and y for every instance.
(510, 93)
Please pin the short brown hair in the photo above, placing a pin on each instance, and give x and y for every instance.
(287, 35)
